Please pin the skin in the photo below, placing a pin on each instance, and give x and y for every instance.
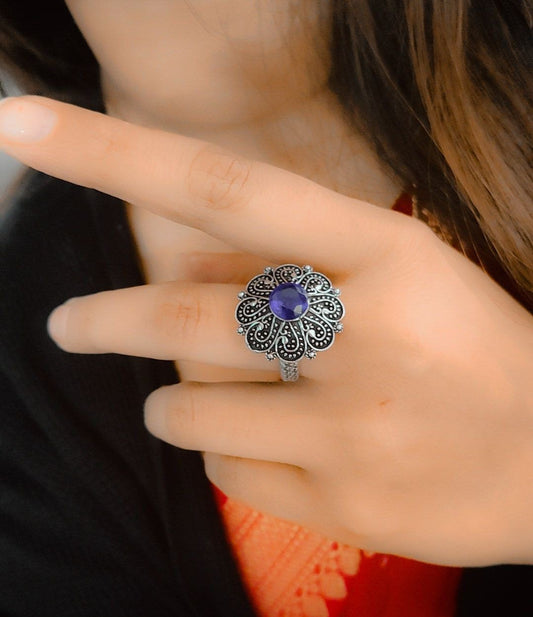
(413, 435)
(257, 86)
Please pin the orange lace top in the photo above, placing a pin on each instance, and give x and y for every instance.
(290, 571)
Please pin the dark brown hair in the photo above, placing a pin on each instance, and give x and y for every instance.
(442, 89)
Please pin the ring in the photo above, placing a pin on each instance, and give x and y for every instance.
(289, 312)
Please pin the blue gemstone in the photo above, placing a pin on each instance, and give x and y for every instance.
(288, 301)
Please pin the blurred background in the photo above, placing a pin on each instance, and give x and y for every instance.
(9, 168)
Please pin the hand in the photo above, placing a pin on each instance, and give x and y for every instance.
(413, 435)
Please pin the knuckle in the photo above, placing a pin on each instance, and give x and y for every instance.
(218, 179)
(110, 143)
(408, 241)
(418, 238)
(179, 314)
(108, 147)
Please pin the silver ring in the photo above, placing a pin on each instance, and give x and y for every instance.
(289, 312)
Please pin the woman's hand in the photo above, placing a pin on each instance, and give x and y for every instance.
(413, 435)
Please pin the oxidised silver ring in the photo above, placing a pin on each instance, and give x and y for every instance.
(289, 313)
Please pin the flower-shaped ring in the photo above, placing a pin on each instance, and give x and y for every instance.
(289, 312)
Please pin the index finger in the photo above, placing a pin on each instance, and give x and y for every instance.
(253, 206)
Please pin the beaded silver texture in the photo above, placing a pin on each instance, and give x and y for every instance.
(289, 340)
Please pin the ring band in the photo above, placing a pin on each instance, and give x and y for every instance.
(289, 312)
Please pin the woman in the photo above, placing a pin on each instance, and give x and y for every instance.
(403, 450)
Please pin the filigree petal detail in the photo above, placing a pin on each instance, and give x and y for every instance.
(319, 333)
(315, 282)
(252, 309)
(327, 306)
(287, 273)
(290, 342)
(261, 335)
(262, 285)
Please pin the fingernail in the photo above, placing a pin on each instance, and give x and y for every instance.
(25, 121)
(57, 323)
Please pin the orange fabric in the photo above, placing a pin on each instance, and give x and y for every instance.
(290, 571)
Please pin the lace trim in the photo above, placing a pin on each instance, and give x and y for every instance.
(288, 570)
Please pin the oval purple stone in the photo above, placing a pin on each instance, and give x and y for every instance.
(288, 301)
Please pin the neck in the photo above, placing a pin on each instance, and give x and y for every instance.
(308, 137)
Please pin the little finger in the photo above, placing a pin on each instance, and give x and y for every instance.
(266, 421)
(284, 491)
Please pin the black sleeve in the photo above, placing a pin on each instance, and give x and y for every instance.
(82, 528)
(496, 591)
(76, 538)
(97, 517)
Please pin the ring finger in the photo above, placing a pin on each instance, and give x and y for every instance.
(169, 321)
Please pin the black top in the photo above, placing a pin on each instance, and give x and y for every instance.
(97, 517)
